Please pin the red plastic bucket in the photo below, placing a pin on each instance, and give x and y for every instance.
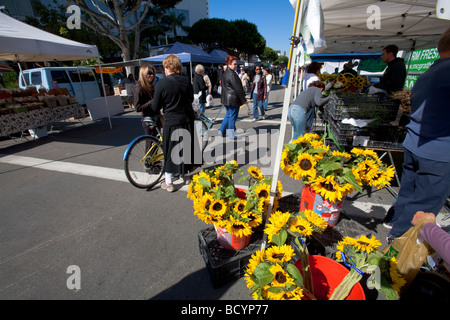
(330, 211)
(229, 241)
(327, 274)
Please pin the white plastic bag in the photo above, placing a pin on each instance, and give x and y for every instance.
(209, 100)
(373, 90)
(196, 103)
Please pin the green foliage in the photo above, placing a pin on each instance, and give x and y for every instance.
(238, 35)
(9, 80)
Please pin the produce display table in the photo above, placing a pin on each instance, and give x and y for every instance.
(22, 121)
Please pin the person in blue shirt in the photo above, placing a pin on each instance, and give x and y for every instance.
(425, 183)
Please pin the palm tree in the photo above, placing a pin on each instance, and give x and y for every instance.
(174, 21)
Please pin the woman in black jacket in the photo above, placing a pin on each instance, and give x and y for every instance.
(233, 97)
(144, 91)
(174, 95)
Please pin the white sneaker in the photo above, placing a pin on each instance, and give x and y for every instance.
(168, 187)
(263, 117)
(253, 120)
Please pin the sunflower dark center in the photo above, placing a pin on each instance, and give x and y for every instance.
(238, 226)
(278, 256)
(217, 206)
(241, 207)
(363, 243)
(327, 186)
(263, 194)
(305, 164)
(280, 277)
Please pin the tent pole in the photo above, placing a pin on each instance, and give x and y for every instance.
(287, 98)
(20, 69)
(104, 91)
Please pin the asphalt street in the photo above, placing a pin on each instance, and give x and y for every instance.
(67, 210)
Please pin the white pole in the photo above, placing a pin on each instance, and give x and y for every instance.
(287, 98)
(104, 91)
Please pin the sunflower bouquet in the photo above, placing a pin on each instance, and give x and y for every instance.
(333, 174)
(362, 256)
(340, 81)
(218, 202)
(271, 273)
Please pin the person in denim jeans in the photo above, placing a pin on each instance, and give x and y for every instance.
(301, 109)
(233, 97)
(259, 93)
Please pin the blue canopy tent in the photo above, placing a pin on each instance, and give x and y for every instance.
(222, 55)
(187, 54)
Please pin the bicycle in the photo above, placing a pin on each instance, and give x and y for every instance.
(144, 156)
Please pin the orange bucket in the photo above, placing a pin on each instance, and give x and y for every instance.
(330, 211)
(327, 274)
(229, 241)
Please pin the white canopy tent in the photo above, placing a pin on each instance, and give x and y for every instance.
(21, 42)
(370, 25)
(362, 26)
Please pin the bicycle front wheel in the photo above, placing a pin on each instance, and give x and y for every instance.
(144, 164)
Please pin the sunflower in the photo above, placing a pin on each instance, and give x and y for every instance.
(317, 222)
(215, 183)
(218, 207)
(328, 188)
(305, 166)
(366, 244)
(255, 219)
(398, 281)
(281, 277)
(262, 191)
(277, 221)
(253, 262)
(357, 151)
(238, 228)
(239, 206)
(382, 178)
(279, 254)
(296, 294)
(347, 241)
(255, 173)
(301, 226)
(341, 154)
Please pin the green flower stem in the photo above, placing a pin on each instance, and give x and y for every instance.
(344, 288)
(307, 276)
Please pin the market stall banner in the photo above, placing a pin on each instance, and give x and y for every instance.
(22, 121)
(419, 61)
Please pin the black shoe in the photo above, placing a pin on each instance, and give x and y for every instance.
(390, 238)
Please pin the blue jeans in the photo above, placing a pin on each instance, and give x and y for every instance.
(310, 118)
(266, 102)
(202, 106)
(229, 122)
(297, 117)
(257, 104)
(425, 186)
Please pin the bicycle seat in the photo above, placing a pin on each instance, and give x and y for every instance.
(151, 121)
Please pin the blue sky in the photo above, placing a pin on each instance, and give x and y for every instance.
(274, 18)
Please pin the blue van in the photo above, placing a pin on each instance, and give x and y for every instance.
(80, 81)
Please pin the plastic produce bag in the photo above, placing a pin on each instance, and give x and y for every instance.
(209, 100)
(409, 252)
(196, 103)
